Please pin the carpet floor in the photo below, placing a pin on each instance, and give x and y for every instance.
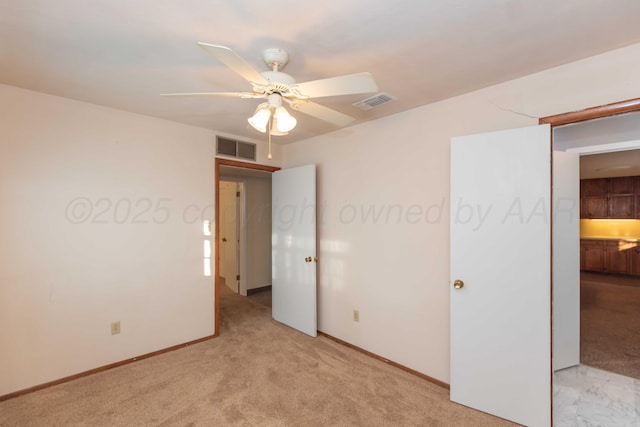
(256, 373)
(610, 323)
(263, 298)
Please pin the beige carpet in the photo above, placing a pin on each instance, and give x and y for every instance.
(610, 323)
(263, 298)
(257, 373)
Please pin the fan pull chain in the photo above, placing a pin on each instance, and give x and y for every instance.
(269, 132)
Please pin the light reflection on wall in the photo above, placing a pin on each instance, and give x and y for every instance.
(206, 231)
(332, 258)
(292, 257)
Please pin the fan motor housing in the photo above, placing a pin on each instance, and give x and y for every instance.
(276, 57)
(278, 78)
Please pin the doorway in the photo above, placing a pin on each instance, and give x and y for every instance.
(526, 142)
(610, 286)
(254, 216)
(230, 233)
(588, 389)
(608, 231)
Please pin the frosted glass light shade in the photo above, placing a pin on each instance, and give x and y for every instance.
(286, 121)
(274, 128)
(260, 119)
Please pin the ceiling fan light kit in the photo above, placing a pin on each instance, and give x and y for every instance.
(283, 122)
(276, 86)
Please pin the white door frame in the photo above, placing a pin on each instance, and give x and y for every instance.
(565, 241)
(608, 110)
(567, 336)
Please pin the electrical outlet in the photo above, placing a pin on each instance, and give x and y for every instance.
(115, 328)
(356, 315)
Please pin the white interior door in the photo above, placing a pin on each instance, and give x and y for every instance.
(229, 234)
(566, 260)
(294, 248)
(501, 251)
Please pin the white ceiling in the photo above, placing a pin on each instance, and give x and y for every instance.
(123, 54)
(605, 165)
(608, 146)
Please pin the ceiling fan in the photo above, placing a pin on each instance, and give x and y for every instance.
(276, 86)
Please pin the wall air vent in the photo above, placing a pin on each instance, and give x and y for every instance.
(234, 148)
(374, 101)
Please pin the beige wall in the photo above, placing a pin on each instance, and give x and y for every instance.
(394, 267)
(101, 221)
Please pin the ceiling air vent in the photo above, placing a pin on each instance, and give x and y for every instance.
(237, 149)
(374, 101)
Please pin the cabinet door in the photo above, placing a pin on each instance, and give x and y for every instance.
(595, 207)
(618, 257)
(635, 259)
(595, 187)
(622, 197)
(622, 186)
(610, 197)
(622, 207)
(593, 198)
(637, 197)
(583, 209)
(593, 255)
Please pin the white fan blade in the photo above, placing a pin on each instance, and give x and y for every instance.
(321, 112)
(333, 86)
(236, 63)
(228, 94)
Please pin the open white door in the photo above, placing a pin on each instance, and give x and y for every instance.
(566, 259)
(501, 251)
(294, 248)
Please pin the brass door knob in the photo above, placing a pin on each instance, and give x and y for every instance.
(458, 284)
(308, 259)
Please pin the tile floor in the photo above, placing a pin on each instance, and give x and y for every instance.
(585, 396)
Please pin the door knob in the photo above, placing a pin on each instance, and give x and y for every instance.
(224, 239)
(308, 259)
(458, 284)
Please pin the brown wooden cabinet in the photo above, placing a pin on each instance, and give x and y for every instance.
(617, 257)
(634, 254)
(622, 197)
(592, 255)
(595, 207)
(610, 197)
(610, 256)
(594, 198)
